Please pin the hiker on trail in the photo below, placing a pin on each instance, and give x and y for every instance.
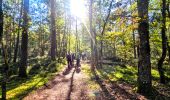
(83, 56)
(69, 59)
(78, 60)
(72, 59)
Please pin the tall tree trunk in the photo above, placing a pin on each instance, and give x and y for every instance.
(134, 45)
(92, 36)
(53, 30)
(144, 64)
(4, 72)
(168, 39)
(168, 47)
(103, 31)
(133, 33)
(168, 6)
(76, 49)
(24, 42)
(69, 44)
(164, 44)
(18, 35)
(95, 50)
(1, 20)
(64, 39)
(3, 84)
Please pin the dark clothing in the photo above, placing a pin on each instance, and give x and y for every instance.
(72, 59)
(69, 60)
(68, 57)
(78, 63)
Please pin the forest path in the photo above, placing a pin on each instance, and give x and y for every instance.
(76, 85)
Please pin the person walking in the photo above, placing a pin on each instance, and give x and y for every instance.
(69, 61)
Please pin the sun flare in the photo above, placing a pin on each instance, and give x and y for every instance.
(78, 8)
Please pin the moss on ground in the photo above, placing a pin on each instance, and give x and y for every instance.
(17, 88)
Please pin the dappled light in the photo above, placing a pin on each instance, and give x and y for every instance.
(84, 50)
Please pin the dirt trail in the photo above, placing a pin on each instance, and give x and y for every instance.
(73, 86)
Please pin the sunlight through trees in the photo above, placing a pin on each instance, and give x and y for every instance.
(119, 44)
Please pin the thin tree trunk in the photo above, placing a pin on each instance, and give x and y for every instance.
(70, 37)
(144, 64)
(133, 33)
(103, 30)
(168, 40)
(1, 20)
(164, 44)
(168, 6)
(18, 35)
(76, 49)
(168, 47)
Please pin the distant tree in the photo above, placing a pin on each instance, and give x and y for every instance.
(1, 20)
(24, 42)
(53, 30)
(144, 64)
(92, 35)
(18, 34)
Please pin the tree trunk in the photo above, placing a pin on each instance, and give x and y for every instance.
(133, 33)
(24, 42)
(3, 84)
(144, 64)
(53, 31)
(92, 36)
(134, 45)
(164, 44)
(18, 37)
(168, 47)
(1, 20)
(104, 26)
(4, 72)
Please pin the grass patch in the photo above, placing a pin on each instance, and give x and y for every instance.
(128, 75)
(116, 73)
(91, 83)
(38, 75)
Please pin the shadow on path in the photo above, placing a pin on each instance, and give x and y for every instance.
(71, 85)
(107, 94)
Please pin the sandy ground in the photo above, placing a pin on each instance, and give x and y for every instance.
(72, 86)
(76, 85)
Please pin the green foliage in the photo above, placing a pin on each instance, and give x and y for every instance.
(17, 88)
(118, 73)
(125, 74)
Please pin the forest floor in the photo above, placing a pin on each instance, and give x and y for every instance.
(75, 85)
(110, 83)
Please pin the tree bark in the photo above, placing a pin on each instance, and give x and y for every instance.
(92, 36)
(53, 31)
(4, 72)
(164, 44)
(18, 35)
(104, 26)
(24, 42)
(134, 40)
(144, 64)
(1, 20)
(168, 47)
(3, 84)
